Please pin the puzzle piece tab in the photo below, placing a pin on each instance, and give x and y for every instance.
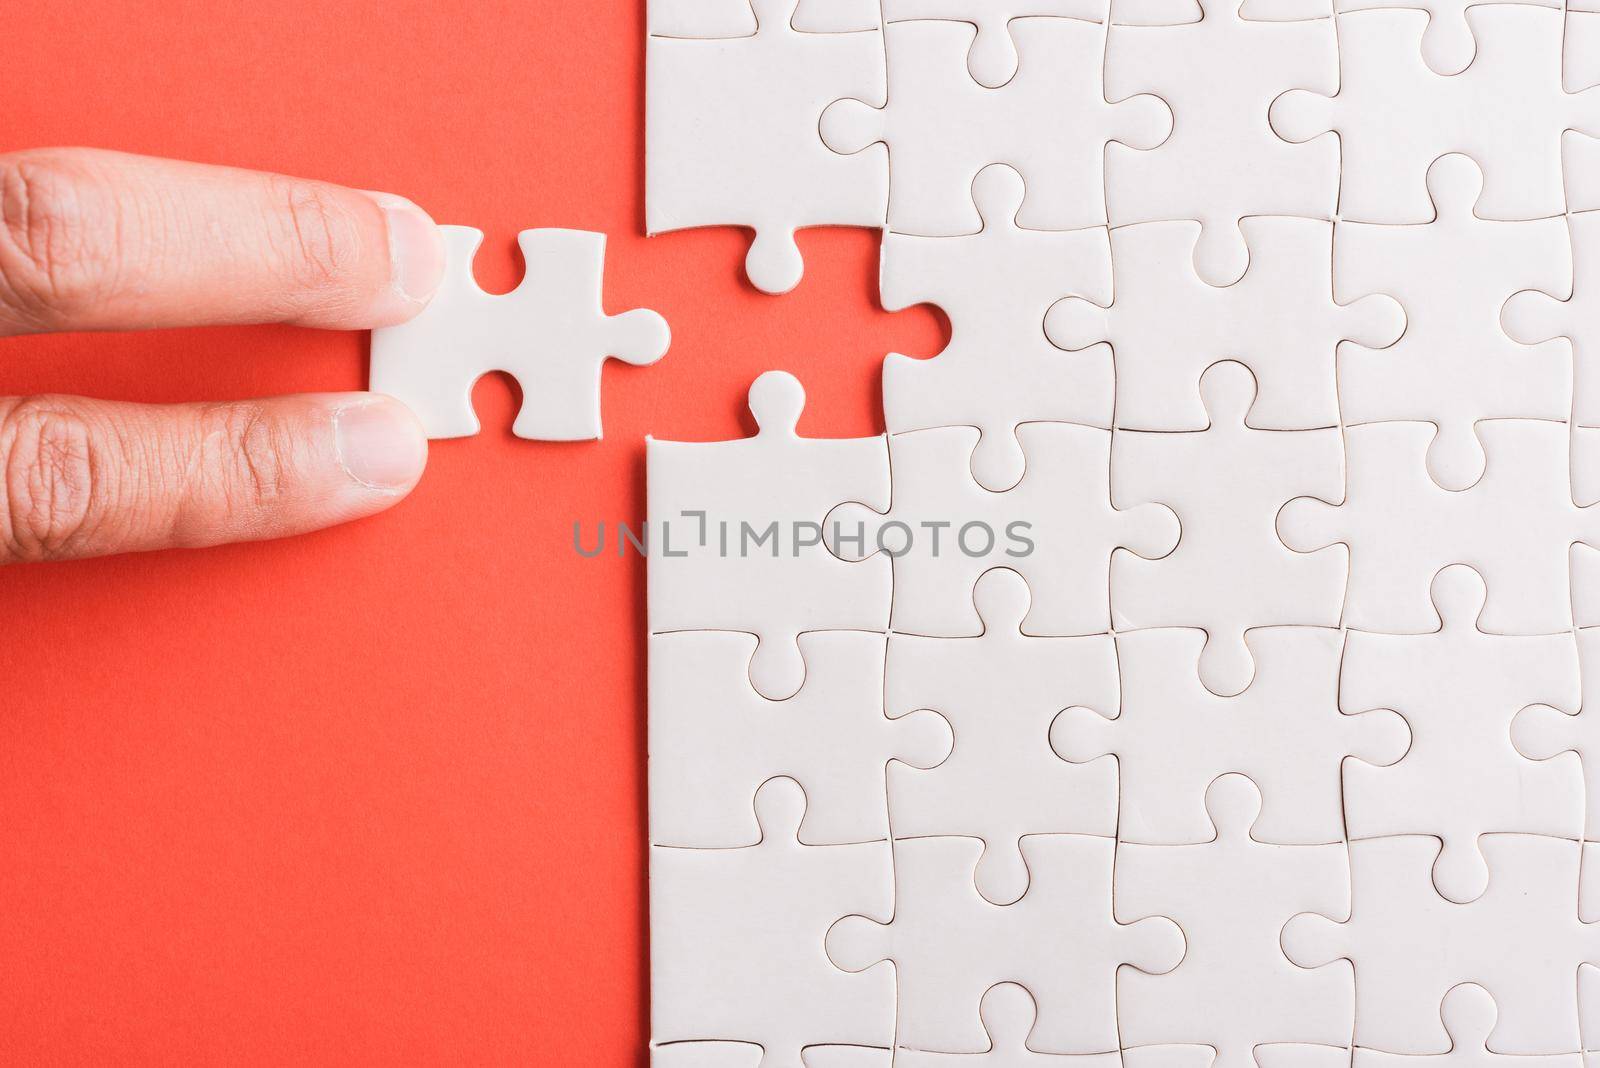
(1222, 163)
(1469, 1015)
(1174, 737)
(1166, 325)
(550, 333)
(1521, 941)
(736, 950)
(737, 528)
(1000, 691)
(1057, 528)
(1455, 366)
(714, 740)
(999, 370)
(1394, 116)
(1459, 689)
(1235, 989)
(1229, 573)
(993, 59)
(1533, 317)
(942, 127)
(1514, 527)
(1060, 940)
(731, 137)
(1008, 1012)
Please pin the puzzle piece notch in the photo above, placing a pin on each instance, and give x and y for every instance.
(1229, 572)
(1448, 43)
(1235, 989)
(1394, 116)
(1533, 317)
(1522, 941)
(551, 334)
(776, 480)
(1173, 737)
(1543, 732)
(714, 740)
(1455, 369)
(1524, 564)
(999, 371)
(1064, 553)
(731, 133)
(736, 938)
(1000, 691)
(934, 104)
(1008, 1012)
(992, 60)
(1469, 1015)
(1167, 325)
(1060, 940)
(1222, 163)
(1459, 689)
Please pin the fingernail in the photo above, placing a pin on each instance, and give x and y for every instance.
(380, 443)
(416, 251)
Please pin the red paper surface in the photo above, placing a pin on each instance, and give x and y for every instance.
(374, 795)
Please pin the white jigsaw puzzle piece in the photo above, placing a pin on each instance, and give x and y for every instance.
(1223, 162)
(1174, 737)
(1448, 44)
(1000, 691)
(1469, 1015)
(846, 1057)
(1231, 896)
(942, 127)
(712, 1054)
(1455, 366)
(702, 19)
(1549, 732)
(1166, 325)
(992, 60)
(714, 739)
(711, 505)
(957, 530)
(1394, 116)
(1522, 941)
(1060, 940)
(837, 16)
(731, 137)
(1584, 560)
(1532, 317)
(551, 334)
(999, 370)
(1459, 689)
(1580, 155)
(736, 939)
(1514, 527)
(1580, 53)
(1008, 1012)
(1229, 573)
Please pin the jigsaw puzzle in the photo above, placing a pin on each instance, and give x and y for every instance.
(1203, 669)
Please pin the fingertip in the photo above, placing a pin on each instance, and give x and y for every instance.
(380, 444)
(416, 258)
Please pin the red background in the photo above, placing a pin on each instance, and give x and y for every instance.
(374, 795)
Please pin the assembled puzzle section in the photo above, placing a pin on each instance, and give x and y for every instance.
(1202, 670)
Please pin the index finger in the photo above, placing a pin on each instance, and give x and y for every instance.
(97, 240)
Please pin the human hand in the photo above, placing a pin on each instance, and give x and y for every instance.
(95, 240)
